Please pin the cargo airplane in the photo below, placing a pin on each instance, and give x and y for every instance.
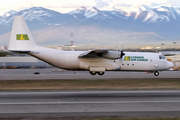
(96, 61)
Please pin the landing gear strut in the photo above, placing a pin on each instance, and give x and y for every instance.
(156, 73)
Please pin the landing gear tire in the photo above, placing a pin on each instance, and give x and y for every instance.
(156, 73)
(92, 73)
(100, 73)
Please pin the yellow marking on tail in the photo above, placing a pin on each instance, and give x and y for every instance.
(21, 38)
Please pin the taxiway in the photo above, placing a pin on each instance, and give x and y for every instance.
(89, 103)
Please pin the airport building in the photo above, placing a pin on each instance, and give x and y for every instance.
(4, 48)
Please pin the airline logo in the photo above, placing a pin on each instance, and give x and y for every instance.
(127, 58)
(135, 58)
(22, 37)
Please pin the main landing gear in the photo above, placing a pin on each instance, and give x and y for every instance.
(156, 73)
(94, 73)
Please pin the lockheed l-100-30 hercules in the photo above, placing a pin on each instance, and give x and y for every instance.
(96, 61)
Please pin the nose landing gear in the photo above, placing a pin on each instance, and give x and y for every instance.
(156, 73)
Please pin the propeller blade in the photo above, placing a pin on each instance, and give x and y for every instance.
(122, 54)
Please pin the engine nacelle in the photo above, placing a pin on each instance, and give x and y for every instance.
(112, 55)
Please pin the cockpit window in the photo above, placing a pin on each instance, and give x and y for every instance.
(162, 57)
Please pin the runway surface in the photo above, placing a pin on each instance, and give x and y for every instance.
(21, 74)
(90, 103)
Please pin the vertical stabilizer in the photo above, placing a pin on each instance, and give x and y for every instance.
(21, 38)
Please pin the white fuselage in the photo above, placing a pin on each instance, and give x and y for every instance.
(133, 61)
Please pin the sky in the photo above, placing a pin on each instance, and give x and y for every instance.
(65, 6)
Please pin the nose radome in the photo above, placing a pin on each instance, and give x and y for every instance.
(169, 65)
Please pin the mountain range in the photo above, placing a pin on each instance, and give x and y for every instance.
(140, 25)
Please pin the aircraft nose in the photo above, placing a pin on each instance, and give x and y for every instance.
(169, 65)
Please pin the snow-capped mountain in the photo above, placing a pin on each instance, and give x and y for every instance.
(147, 14)
(12, 12)
(136, 13)
(163, 21)
(36, 14)
(89, 13)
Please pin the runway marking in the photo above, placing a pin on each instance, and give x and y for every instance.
(111, 102)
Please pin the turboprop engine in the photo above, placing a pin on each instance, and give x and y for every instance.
(113, 55)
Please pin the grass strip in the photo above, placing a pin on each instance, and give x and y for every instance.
(148, 83)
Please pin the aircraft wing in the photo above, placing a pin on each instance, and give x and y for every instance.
(94, 53)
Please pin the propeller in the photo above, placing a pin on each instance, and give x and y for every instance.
(122, 54)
